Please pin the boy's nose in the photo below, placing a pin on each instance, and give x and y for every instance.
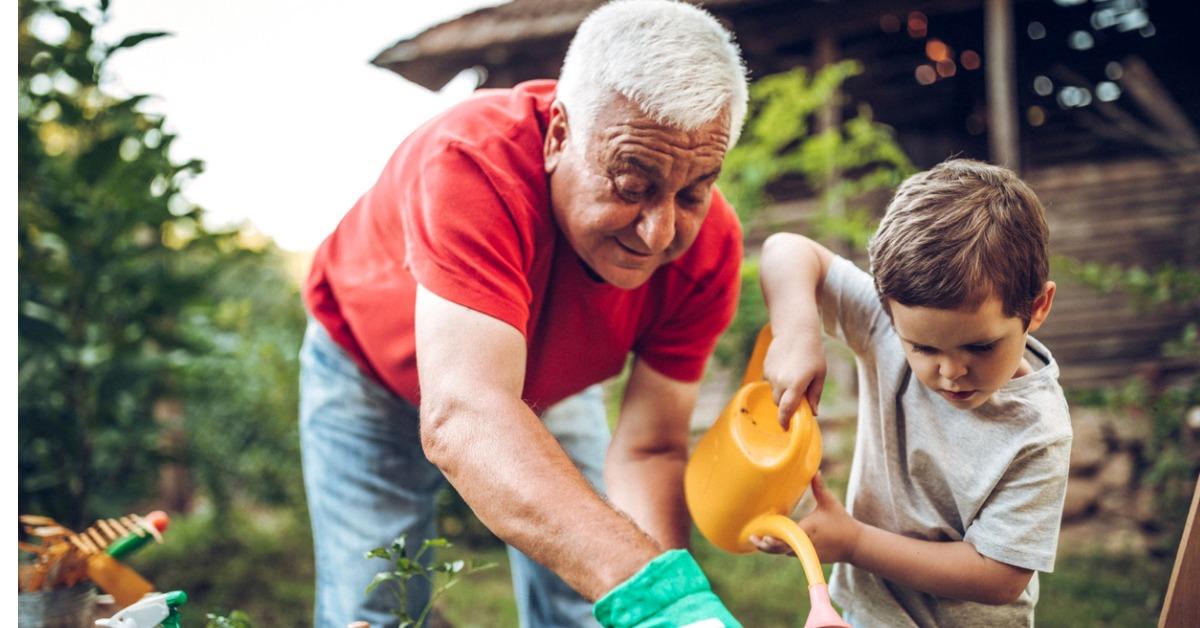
(952, 369)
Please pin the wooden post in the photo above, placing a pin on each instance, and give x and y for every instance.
(1181, 608)
(829, 118)
(1003, 142)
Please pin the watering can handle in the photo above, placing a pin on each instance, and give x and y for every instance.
(793, 535)
(754, 368)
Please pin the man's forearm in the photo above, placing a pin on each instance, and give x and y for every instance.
(947, 568)
(649, 488)
(521, 484)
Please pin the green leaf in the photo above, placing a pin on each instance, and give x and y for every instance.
(435, 542)
(132, 40)
(379, 579)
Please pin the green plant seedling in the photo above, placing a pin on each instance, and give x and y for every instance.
(403, 568)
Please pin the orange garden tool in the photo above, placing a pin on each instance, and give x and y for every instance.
(97, 550)
(748, 473)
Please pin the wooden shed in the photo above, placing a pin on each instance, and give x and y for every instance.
(1094, 102)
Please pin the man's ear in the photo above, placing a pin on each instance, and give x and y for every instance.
(1041, 307)
(557, 132)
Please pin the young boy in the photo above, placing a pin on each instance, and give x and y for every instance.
(961, 459)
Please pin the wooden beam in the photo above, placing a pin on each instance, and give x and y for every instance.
(1156, 101)
(1000, 65)
(1182, 606)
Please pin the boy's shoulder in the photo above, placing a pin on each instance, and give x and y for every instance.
(1031, 410)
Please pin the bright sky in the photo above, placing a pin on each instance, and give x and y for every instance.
(279, 99)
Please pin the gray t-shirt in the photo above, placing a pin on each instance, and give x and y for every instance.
(994, 477)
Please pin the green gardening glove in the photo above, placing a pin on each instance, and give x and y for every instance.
(670, 591)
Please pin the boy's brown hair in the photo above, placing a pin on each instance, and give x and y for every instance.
(957, 233)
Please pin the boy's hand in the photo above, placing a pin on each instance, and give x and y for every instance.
(833, 532)
(795, 367)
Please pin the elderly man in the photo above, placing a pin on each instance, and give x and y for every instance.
(514, 252)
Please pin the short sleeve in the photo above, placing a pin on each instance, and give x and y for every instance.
(1019, 522)
(850, 307)
(680, 346)
(467, 236)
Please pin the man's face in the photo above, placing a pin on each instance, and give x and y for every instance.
(632, 194)
(966, 354)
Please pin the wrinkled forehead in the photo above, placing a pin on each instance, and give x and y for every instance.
(623, 135)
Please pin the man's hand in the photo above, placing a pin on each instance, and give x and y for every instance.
(795, 367)
(670, 590)
(833, 532)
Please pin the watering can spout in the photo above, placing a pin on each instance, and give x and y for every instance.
(821, 613)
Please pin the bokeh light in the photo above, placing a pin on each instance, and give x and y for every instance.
(1071, 96)
(976, 123)
(937, 50)
(925, 74)
(918, 24)
(970, 60)
(1036, 116)
(1103, 19)
(1036, 30)
(1133, 20)
(1043, 85)
(1114, 71)
(1107, 91)
(1081, 40)
(889, 23)
(946, 68)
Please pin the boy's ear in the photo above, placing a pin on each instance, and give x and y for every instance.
(1041, 307)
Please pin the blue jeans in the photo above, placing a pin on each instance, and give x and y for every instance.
(368, 481)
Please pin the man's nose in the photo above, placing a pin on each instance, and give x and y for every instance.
(656, 226)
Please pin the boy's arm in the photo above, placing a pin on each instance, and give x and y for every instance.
(945, 568)
(792, 274)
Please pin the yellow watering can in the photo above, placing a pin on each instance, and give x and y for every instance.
(748, 473)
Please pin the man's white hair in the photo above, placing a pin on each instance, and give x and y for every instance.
(673, 60)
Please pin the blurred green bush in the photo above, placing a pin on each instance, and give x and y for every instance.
(146, 338)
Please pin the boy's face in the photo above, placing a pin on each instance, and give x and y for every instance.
(966, 354)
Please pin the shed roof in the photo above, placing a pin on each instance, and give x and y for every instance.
(491, 37)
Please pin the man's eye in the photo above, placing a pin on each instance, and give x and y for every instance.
(690, 199)
(630, 194)
(630, 188)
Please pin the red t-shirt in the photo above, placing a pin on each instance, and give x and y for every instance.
(463, 208)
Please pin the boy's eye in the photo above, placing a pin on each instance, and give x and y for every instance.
(924, 350)
(981, 348)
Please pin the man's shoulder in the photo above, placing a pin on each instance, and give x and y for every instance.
(497, 128)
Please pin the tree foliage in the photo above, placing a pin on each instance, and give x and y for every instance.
(841, 165)
(127, 301)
